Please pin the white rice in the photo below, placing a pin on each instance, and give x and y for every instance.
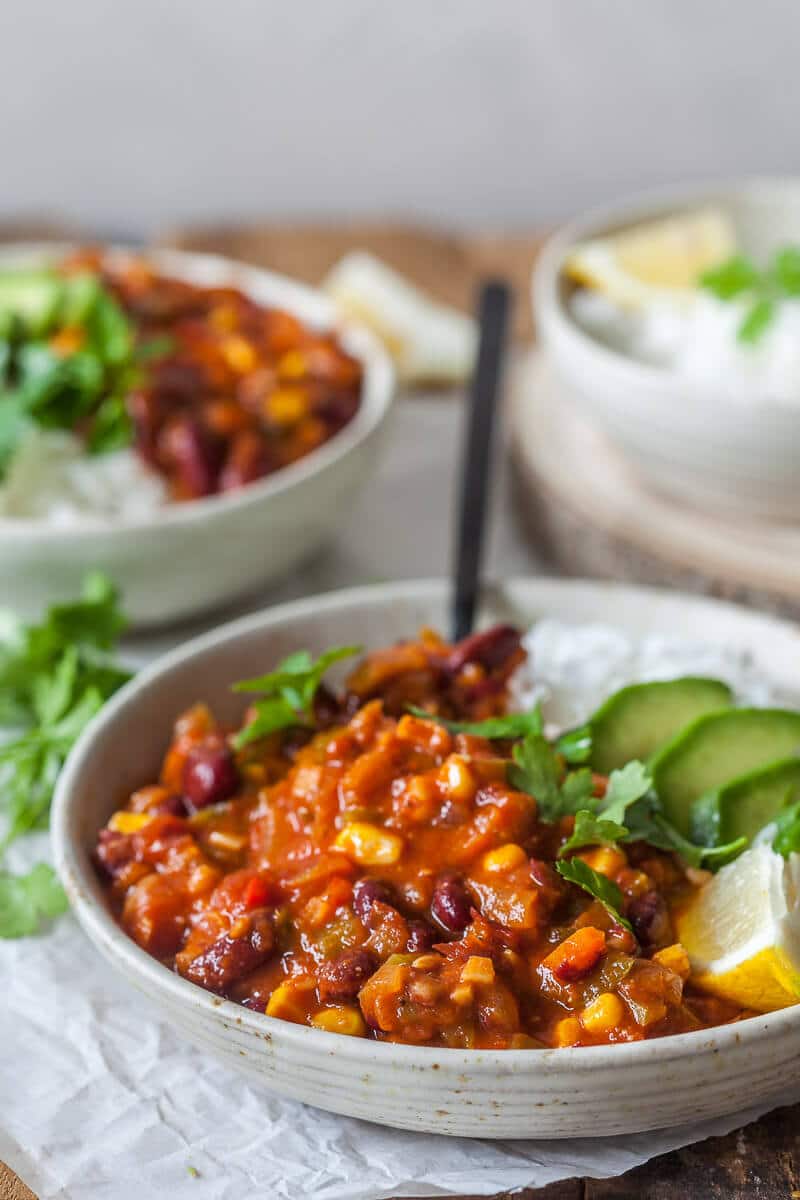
(571, 669)
(53, 479)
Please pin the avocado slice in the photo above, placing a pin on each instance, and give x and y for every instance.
(744, 806)
(715, 750)
(637, 719)
(31, 297)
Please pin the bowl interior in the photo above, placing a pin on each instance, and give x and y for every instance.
(267, 288)
(123, 747)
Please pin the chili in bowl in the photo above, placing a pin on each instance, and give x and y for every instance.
(383, 858)
(159, 409)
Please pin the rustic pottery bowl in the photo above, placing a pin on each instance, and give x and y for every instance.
(513, 1093)
(199, 555)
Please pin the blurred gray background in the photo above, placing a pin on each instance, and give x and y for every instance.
(468, 112)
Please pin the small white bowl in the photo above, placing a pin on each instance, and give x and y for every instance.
(691, 439)
(201, 554)
(512, 1093)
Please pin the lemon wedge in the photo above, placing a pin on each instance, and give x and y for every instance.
(657, 260)
(742, 931)
(429, 342)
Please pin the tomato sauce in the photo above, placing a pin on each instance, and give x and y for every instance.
(377, 876)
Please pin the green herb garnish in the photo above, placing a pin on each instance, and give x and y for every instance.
(27, 900)
(739, 277)
(54, 677)
(84, 389)
(576, 871)
(289, 693)
(538, 770)
(787, 831)
(513, 725)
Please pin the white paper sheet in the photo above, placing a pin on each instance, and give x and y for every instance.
(99, 1100)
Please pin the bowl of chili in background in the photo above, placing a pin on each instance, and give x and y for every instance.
(243, 507)
(512, 1092)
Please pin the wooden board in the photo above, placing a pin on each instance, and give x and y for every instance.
(446, 265)
(590, 514)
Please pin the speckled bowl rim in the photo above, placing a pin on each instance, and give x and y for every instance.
(624, 370)
(307, 303)
(76, 872)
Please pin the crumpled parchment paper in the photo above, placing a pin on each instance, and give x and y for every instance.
(99, 1100)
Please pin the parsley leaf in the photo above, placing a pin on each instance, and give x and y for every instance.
(731, 278)
(575, 746)
(289, 692)
(756, 320)
(576, 871)
(591, 830)
(27, 899)
(54, 677)
(513, 725)
(625, 786)
(537, 769)
(787, 833)
(646, 823)
(786, 270)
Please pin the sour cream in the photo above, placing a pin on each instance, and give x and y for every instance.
(698, 341)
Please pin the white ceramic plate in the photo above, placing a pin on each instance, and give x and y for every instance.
(528, 1093)
(688, 438)
(205, 553)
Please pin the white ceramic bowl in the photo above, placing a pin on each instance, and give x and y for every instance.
(539, 1093)
(692, 440)
(195, 556)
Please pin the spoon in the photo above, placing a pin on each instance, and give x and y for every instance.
(494, 303)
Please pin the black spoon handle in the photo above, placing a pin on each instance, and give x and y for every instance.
(493, 310)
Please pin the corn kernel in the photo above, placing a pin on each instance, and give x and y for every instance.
(606, 860)
(239, 354)
(504, 859)
(462, 995)
(603, 1014)
(368, 845)
(228, 843)
(477, 969)
(675, 959)
(286, 407)
(129, 822)
(292, 365)
(458, 779)
(341, 1019)
(567, 1032)
(284, 1003)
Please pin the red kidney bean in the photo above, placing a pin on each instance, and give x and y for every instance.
(231, 958)
(114, 851)
(420, 937)
(649, 917)
(451, 903)
(342, 978)
(247, 460)
(209, 776)
(190, 453)
(368, 892)
(491, 648)
(254, 1003)
(327, 709)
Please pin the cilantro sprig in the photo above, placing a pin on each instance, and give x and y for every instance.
(576, 871)
(54, 677)
(42, 385)
(739, 277)
(512, 725)
(288, 693)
